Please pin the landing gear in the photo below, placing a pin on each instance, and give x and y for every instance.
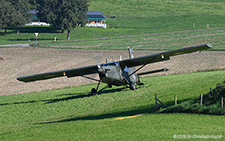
(93, 91)
(140, 83)
(132, 86)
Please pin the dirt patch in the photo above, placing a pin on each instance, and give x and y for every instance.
(26, 61)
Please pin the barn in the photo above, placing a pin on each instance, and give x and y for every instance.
(96, 19)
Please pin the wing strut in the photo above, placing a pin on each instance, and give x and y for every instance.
(90, 78)
(141, 67)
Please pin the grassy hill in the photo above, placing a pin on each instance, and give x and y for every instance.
(138, 17)
(211, 103)
(116, 114)
(162, 15)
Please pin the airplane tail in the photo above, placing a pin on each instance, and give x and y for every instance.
(134, 77)
(131, 52)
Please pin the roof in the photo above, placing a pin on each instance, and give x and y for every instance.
(93, 15)
(32, 11)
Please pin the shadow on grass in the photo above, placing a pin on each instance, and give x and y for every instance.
(148, 109)
(66, 97)
(74, 96)
(136, 111)
(39, 29)
(2, 32)
(29, 29)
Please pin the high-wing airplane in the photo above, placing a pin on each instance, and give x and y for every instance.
(117, 73)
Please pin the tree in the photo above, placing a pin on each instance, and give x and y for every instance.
(7, 14)
(22, 13)
(63, 14)
(14, 13)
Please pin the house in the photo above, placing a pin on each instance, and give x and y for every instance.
(35, 20)
(96, 19)
(34, 15)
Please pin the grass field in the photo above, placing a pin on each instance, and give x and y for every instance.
(71, 114)
(158, 41)
(119, 113)
(137, 18)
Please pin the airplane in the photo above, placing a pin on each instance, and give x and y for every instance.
(117, 73)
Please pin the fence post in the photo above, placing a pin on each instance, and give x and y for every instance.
(201, 99)
(175, 100)
(222, 102)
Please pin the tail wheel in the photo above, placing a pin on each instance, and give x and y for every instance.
(132, 86)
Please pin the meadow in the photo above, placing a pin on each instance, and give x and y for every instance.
(138, 18)
(115, 114)
(119, 113)
(154, 42)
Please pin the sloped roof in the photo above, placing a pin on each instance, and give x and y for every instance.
(95, 15)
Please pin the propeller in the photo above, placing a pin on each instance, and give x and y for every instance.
(97, 57)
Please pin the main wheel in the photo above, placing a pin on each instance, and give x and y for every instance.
(132, 86)
(93, 91)
(110, 86)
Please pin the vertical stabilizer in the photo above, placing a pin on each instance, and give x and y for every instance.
(133, 78)
(131, 52)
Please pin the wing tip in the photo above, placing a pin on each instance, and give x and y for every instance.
(210, 46)
(20, 79)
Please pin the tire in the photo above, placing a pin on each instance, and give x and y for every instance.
(93, 91)
(132, 86)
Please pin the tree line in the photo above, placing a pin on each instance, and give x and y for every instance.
(60, 14)
(14, 13)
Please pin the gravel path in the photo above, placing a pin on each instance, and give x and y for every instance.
(16, 45)
(17, 62)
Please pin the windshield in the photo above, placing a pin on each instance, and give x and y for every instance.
(111, 64)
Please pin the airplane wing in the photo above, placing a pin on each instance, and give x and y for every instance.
(143, 60)
(69, 73)
(163, 56)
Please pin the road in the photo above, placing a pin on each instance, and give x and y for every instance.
(16, 45)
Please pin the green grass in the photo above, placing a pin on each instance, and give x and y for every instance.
(136, 17)
(160, 41)
(72, 114)
(211, 103)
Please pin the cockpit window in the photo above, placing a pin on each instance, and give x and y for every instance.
(111, 64)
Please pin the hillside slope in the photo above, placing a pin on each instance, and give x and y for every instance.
(163, 15)
(135, 17)
(211, 103)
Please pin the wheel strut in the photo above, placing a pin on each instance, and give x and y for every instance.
(95, 91)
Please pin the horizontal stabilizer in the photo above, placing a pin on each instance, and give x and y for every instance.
(154, 71)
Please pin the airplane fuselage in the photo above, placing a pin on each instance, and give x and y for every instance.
(113, 74)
